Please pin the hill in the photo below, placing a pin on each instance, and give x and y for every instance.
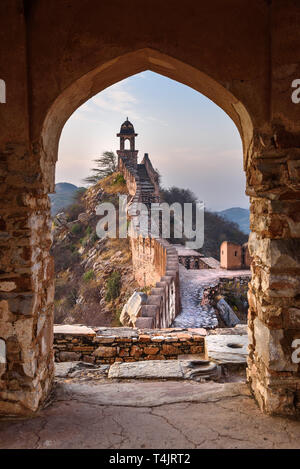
(64, 196)
(238, 215)
(217, 228)
(93, 277)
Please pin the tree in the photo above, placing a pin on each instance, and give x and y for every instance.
(177, 194)
(106, 164)
(216, 228)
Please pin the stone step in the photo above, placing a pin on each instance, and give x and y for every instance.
(196, 368)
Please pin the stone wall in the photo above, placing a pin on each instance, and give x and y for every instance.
(155, 262)
(132, 181)
(26, 284)
(163, 303)
(234, 291)
(153, 175)
(227, 285)
(122, 344)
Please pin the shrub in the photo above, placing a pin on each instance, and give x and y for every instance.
(83, 241)
(88, 231)
(119, 179)
(76, 229)
(113, 286)
(72, 211)
(94, 237)
(87, 276)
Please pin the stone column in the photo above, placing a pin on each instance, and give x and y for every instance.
(26, 284)
(26, 270)
(273, 177)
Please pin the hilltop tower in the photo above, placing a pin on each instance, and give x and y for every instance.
(127, 133)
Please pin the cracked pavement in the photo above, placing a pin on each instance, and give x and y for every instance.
(150, 414)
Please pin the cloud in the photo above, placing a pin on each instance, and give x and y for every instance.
(117, 99)
(81, 116)
(157, 121)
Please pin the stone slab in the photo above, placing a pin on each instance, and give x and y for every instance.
(194, 368)
(76, 368)
(73, 329)
(149, 393)
(63, 369)
(117, 332)
(150, 369)
(226, 349)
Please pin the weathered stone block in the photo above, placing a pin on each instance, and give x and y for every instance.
(151, 350)
(106, 352)
(69, 356)
(269, 348)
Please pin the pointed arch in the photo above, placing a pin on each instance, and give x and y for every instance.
(120, 68)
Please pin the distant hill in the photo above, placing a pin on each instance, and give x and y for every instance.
(64, 196)
(238, 215)
(217, 228)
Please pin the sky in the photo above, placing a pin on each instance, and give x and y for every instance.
(189, 139)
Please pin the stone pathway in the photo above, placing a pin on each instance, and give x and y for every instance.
(192, 285)
(152, 414)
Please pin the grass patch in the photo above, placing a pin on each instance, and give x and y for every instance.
(88, 276)
(114, 184)
(76, 229)
(113, 286)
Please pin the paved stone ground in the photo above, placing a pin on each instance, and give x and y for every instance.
(150, 414)
(192, 284)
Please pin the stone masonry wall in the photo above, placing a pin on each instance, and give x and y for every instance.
(227, 285)
(122, 344)
(155, 263)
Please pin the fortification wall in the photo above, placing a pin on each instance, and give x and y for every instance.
(155, 262)
(130, 177)
(153, 175)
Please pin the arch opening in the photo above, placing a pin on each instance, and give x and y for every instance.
(120, 68)
(191, 263)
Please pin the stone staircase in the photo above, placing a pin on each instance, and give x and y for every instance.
(147, 188)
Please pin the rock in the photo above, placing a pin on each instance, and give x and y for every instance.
(61, 218)
(77, 369)
(194, 368)
(227, 349)
(227, 314)
(116, 332)
(199, 369)
(75, 329)
(269, 348)
(106, 352)
(63, 369)
(83, 217)
(132, 309)
(155, 369)
(69, 356)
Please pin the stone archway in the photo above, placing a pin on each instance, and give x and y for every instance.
(262, 339)
(251, 83)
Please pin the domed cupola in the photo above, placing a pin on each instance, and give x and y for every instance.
(127, 128)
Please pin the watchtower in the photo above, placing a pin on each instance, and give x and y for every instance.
(127, 134)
